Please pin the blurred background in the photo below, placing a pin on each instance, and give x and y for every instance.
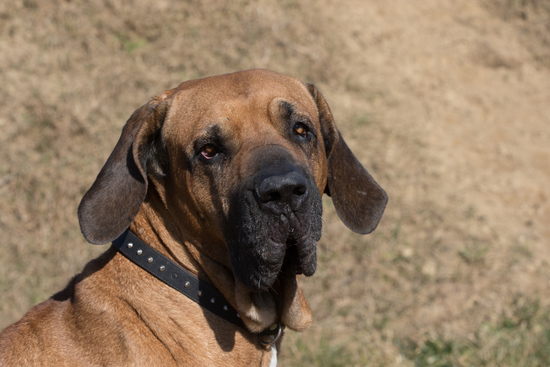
(445, 102)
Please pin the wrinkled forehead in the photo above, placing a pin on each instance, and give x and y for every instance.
(247, 93)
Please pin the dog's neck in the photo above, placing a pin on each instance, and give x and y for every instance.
(165, 270)
(258, 311)
(175, 327)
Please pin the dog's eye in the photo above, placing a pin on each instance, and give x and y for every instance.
(209, 151)
(300, 129)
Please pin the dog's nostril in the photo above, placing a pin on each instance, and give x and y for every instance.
(271, 196)
(300, 190)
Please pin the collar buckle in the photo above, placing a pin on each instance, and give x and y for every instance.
(271, 335)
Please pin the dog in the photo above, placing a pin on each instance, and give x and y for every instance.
(214, 186)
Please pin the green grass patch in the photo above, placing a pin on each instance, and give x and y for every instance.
(322, 353)
(521, 338)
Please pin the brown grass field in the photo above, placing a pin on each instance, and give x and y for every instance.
(446, 102)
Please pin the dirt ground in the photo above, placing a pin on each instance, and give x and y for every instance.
(445, 102)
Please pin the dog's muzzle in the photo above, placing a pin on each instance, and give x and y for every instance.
(276, 222)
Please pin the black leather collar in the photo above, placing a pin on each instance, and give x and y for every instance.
(180, 279)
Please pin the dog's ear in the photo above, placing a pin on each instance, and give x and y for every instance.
(358, 199)
(114, 199)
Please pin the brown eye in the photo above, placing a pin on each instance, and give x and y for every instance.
(300, 129)
(209, 151)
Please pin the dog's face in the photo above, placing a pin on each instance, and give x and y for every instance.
(252, 165)
(242, 160)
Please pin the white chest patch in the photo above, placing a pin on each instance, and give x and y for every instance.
(273, 362)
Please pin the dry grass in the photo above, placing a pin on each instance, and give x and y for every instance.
(532, 17)
(445, 102)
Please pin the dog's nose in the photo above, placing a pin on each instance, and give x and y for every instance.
(279, 192)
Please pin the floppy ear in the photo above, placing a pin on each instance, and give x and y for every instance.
(114, 199)
(358, 199)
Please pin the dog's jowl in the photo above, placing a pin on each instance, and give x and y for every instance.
(212, 200)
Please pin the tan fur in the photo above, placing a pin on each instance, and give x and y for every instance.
(114, 313)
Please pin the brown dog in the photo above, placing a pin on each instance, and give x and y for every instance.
(224, 177)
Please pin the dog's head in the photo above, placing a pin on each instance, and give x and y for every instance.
(241, 160)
